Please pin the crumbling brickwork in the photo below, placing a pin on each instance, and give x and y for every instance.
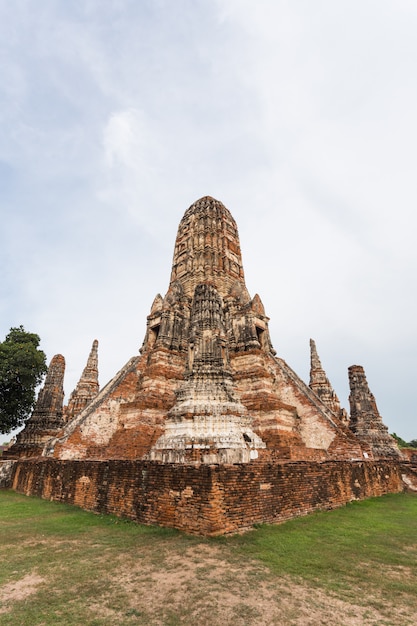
(206, 499)
(87, 387)
(207, 429)
(47, 418)
(208, 385)
(365, 420)
(321, 386)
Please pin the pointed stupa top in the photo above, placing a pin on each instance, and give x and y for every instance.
(207, 248)
(47, 416)
(320, 384)
(87, 387)
(365, 420)
(316, 370)
(51, 396)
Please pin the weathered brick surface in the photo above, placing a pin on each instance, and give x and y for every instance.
(47, 418)
(410, 454)
(87, 387)
(320, 384)
(206, 499)
(365, 420)
(207, 429)
(409, 474)
(207, 386)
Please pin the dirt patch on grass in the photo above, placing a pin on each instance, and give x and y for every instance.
(19, 590)
(201, 586)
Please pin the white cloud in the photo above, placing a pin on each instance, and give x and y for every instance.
(299, 116)
(133, 164)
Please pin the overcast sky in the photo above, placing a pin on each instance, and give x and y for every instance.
(300, 116)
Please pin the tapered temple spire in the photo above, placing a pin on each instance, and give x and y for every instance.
(320, 384)
(87, 387)
(365, 420)
(207, 250)
(47, 417)
(206, 313)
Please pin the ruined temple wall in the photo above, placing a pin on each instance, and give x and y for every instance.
(410, 454)
(286, 413)
(206, 499)
(90, 435)
(125, 420)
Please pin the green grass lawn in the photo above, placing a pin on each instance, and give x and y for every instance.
(62, 565)
(345, 547)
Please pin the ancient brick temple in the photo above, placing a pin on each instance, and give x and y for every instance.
(207, 409)
(50, 415)
(47, 418)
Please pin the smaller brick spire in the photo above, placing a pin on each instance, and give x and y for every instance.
(320, 384)
(316, 370)
(87, 387)
(47, 417)
(365, 420)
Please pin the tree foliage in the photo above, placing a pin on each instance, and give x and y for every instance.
(404, 444)
(22, 367)
(400, 441)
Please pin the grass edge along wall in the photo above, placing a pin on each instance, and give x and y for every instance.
(206, 499)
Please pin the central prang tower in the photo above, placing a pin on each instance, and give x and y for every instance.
(207, 386)
(207, 249)
(206, 429)
(208, 423)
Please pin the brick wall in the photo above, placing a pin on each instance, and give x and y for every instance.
(206, 500)
(6, 472)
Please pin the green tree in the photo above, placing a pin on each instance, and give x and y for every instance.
(400, 441)
(412, 443)
(22, 367)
